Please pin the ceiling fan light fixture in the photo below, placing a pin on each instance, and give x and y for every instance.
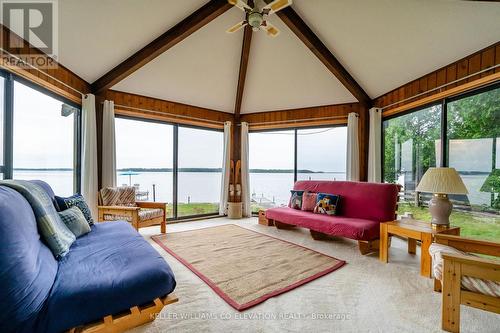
(255, 20)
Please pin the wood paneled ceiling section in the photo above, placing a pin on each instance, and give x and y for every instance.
(328, 52)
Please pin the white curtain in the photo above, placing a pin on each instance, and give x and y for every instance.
(245, 176)
(226, 169)
(108, 145)
(89, 153)
(374, 146)
(352, 167)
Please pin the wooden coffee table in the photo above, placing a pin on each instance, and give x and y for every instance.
(415, 231)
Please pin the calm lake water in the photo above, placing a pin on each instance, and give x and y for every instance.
(205, 186)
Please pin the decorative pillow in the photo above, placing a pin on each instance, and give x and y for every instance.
(326, 204)
(75, 221)
(78, 201)
(309, 201)
(296, 199)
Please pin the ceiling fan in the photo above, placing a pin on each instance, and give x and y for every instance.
(256, 17)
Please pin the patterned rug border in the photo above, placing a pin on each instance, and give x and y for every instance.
(224, 296)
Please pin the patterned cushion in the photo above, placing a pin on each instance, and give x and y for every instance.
(78, 201)
(118, 196)
(74, 219)
(326, 204)
(485, 287)
(309, 201)
(296, 199)
(149, 213)
(144, 215)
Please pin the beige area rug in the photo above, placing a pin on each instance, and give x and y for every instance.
(245, 267)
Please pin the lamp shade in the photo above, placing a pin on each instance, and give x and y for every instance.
(442, 181)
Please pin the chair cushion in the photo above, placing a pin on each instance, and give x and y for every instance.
(107, 271)
(150, 213)
(118, 196)
(74, 219)
(75, 200)
(485, 287)
(144, 215)
(353, 228)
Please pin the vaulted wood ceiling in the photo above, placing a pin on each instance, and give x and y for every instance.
(328, 52)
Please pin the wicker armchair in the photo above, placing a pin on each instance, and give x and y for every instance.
(463, 278)
(118, 203)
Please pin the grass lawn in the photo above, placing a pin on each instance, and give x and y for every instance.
(185, 209)
(473, 225)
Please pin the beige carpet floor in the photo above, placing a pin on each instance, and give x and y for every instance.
(245, 267)
(363, 296)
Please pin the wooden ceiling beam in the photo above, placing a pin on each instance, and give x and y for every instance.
(309, 38)
(245, 52)
(168, 39)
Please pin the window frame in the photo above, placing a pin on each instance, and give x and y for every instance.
(175, 167)
(8, 167)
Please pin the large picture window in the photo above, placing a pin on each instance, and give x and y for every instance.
(321, 153)
(149, 169)
(39, 135)
(411, 146)
(170, 163)
(469, 126)
(279, 158)
(271, 164)
(44, 139)
(199, 177)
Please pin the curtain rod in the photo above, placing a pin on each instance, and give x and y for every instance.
(292, 121)
(170, 114)
(441, 86)
(40, 71)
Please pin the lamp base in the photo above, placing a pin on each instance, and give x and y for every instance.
(440, 208)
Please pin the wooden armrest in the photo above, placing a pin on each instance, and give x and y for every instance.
(476, 261)
(469, 245)
(122, 208)
(144, 204)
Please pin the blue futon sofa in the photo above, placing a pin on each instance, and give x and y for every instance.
(107, 271)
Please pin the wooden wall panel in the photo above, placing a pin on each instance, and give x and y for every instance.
(469, 65)
(38, 76)
(152, 108)
(313, 116)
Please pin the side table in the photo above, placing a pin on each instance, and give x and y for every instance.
(415, 231)
(263, 220)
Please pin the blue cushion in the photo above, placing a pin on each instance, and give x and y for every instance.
(24, 261)
(75, 200)
(107, 271)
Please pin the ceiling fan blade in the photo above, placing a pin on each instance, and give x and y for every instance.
(275, 6)
(240, 4)
(237, 27)
(270, 29)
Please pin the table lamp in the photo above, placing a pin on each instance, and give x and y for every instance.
(441, 182)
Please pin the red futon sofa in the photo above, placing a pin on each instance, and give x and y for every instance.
(361, 209)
